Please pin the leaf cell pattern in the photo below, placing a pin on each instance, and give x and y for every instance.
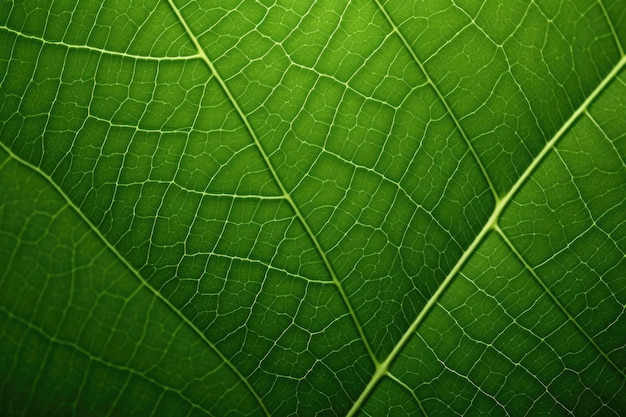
(313, 208)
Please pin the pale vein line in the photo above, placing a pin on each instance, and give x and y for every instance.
(613, 31)
(406, 387)
(491, 224)
(55, 340)
(136, 273)
(265, 265)
(442, 98)
(382, 369)
(280, 184)
(556, 300)
(99, 50)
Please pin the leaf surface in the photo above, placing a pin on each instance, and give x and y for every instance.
(313, 208)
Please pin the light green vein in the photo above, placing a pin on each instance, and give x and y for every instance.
(384, 366)
(556, 301)
(99, 50)
(441, 97)
(136, 273)
(491, 224)
(406, 387)
(612, 27)
(279, 182)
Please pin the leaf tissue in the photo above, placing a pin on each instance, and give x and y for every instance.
(312, 208)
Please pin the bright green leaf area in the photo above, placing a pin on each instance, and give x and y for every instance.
(301, 208)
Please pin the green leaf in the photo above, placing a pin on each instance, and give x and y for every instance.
(312, 208)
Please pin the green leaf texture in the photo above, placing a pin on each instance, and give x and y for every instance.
(301, 208)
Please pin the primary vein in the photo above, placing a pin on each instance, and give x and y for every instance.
(490, 225)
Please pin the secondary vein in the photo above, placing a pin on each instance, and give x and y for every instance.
(134, 271)
(278, 181)
(441, 97)
(556, 301)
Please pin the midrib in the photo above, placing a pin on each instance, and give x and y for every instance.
(491, 225)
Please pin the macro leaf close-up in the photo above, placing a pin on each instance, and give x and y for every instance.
(313, 208)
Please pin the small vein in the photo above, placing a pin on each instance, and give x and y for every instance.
(280, 184)
(99, 50)
(406, 387)
(267, 266)
(134, 271)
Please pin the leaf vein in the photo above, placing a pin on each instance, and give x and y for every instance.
(439, 94)
(100, 51)
(556, 301)
(491, 224)
(278, 181)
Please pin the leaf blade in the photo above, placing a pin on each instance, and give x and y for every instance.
(302, 208)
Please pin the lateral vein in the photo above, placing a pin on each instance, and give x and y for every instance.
(441, 97)
(556, 301)
(279, 182)
(134, 271)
